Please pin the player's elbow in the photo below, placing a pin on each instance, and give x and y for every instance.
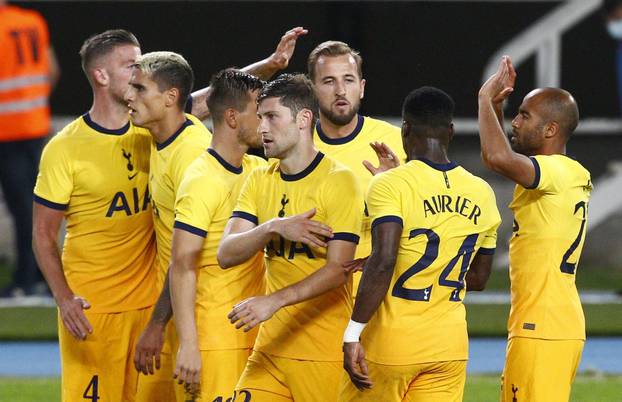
(224, 259)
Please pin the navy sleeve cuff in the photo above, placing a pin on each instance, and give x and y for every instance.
(49, 204)
(190, 229)
(388, 218)
(536, 179)
(345, 236)
(245, 215)
(486, 251)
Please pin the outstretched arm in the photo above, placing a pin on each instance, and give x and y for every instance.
(264, 69)
(242, 238)
(251, 312)
(479, 272)
(497, 153)
(375, 282)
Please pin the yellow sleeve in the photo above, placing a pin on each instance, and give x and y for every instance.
(197, 201)
(55, 180)
(184, 156)
(549, 173)
(489, 243)
(344, 205)
(246, 207)
(383, 202)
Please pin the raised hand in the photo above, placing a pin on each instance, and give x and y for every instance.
(251, 312)
(501, 84)
(354, 363)
(72, 314)
(387, 159)
(285, 49)
(300, 228)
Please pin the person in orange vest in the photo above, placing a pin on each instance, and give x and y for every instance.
(28, 72)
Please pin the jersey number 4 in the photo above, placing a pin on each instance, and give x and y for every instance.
(93, 388)
(429, 256)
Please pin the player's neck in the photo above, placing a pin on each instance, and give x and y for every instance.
(109, 113)
(227, 146)
(430, 149)
(298, 159)
(162, 130)
(551, 149)
(332, 130)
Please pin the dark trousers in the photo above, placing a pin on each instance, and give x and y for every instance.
(19, 164)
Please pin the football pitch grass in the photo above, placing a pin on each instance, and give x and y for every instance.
(479, 388)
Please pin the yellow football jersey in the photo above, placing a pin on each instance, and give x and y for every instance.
(205, 201)
(99, 178)
(448, 215)
(352, 150)
(549, 230)
(168, 163)
(310, 330)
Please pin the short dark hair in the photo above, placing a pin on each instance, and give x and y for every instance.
(168, 70)
(333, 48)
(428, 107)
(103, 43)
(295, 91)
(230, 89)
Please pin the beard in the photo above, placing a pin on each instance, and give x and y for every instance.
(340, 119)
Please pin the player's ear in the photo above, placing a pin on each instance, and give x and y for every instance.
(552, 129)
(100, 76)
(304, 119)
(230, 117)
(363, 88)
(172, 95)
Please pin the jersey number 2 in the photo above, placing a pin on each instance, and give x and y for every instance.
(93, 388)
(430, 254)
(569, 267)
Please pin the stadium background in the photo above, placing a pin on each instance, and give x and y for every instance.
(404, 45)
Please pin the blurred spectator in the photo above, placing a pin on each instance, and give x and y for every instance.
(28, 71)
(612, 10)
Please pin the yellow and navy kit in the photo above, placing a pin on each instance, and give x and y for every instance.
(352, 150)
(98, 177)
(205, 201)
(448, 215)
(169, 161)
(310, 330)
(550, 219)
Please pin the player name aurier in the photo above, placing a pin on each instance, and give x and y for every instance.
(443, 203)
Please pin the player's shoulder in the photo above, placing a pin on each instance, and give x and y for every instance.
(202, 175)
(67, 136)
(560, 162)
(380, 127)
(252, 161)
(334, 169)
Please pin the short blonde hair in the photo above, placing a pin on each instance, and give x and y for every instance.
(168, 70)
(333, 48)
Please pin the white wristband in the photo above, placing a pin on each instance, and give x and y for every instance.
(353, 332)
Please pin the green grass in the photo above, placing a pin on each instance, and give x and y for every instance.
(595, 278)
(479, 388)
(491, 319)
(30, 389)
(39, 323)
(586, 388)
(28, 323)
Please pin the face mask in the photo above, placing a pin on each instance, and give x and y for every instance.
(615, 29)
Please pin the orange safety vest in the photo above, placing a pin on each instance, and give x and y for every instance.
(24, 75)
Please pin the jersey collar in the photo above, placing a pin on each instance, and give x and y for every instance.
(172, 138)
(443, 167)
(103, 130)
(224, 163)
(306, 171)
(343, 140)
